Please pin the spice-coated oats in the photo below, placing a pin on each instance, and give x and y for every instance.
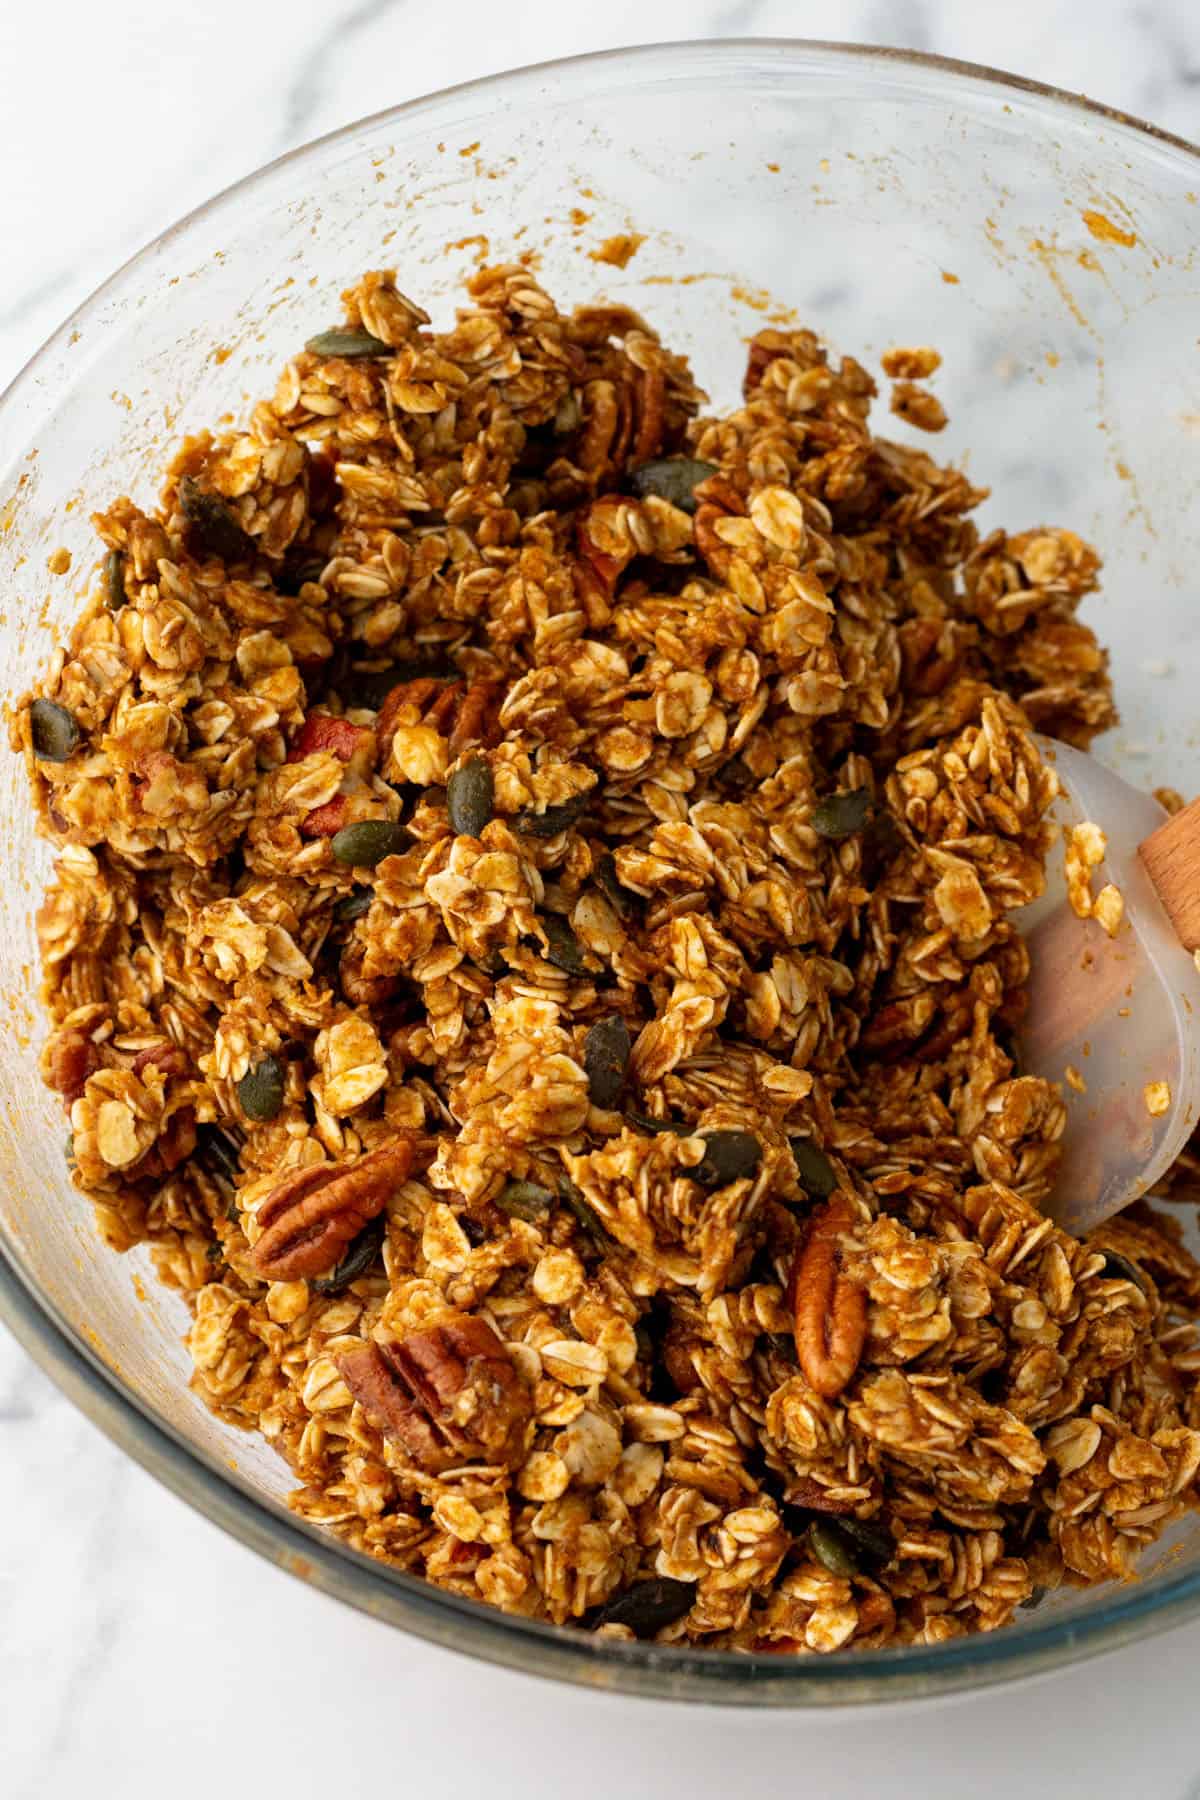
(532, 952)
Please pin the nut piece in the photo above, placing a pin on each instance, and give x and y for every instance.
(829, 1310)
(308, 1220)
(69, 1058)
(449, 1395)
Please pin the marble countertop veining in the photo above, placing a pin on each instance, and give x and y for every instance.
(143, 1652)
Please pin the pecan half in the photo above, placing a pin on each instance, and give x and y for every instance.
(169, 1058)
(604, 566)
(326, 820)
(449, 1395)
(323, 731)
(624, 421)
(809, 1494)
(173, 1145)
(465, 714)
(69, 1058)
(307, 1221)
(360, 988)
(829, 1311)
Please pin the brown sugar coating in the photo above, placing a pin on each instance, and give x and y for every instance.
(532, 951)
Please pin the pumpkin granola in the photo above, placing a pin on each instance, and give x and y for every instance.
(532, 952)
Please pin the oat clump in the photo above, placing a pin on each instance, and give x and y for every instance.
(532, 952)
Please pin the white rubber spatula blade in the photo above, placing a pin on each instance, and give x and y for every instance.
(1124, 1012)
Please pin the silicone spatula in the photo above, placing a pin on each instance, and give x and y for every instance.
(1120, 1013)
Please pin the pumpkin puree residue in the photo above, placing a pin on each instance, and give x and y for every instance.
(619, 250)
(1102, 227)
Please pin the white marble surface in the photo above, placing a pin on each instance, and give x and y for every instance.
(141, 1651)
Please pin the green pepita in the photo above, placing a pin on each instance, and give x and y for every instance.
(219, 1153)
(728, 1156)
(624, 903)
(554, 819)
(574, 1201)
(260, 1091)
(53, 730)
(114, 580)
(297, 573)
(471, 797)
(841, 815)
(648, 1606)
(605, 1060)
(655, 1127)
(882, 842)
(814, 1171)
(832, 1548)
(673, 478)
(1119, 1268)
(344, 341)
(357, 1261)
(734, 778)
(367, 842)
(873, 1543)
(213, 526)
(354, 905)
(563, 948)
(526, 1200)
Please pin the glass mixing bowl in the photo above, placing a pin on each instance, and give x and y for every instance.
(1046, 246)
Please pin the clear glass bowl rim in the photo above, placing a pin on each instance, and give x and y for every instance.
(644, 1670)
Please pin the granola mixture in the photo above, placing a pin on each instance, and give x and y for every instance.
(532, 952)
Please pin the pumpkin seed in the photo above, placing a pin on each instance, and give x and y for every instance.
(526, 1200)
(728, 1156)
(219, 1153)
(53, 730)
(114, 580)
(882, 842)
(831, 1548)
(492, 964)
(471, 797)
(673, 478)
(655, 1127)
(873, 1543)
(354, 905)
(555, 818)
(214, 1254)
(1034, 1598)
(563, 948)
(343, 341)
(624, 903)
(297, 572)
(813, 1169)
(1119, 1268)
(734, 778)
(214, 526)
(605, 1059)
(260, 1091)
(841, 815)
(367, 842)
(649, 1605)
(574, 1201)
(361, 1253)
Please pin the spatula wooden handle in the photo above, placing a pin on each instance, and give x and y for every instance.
(1171, 857)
